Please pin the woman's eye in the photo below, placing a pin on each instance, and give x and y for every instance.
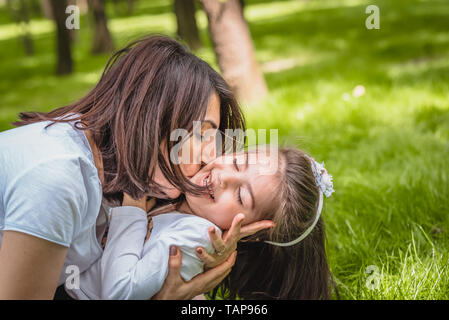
(235, 164)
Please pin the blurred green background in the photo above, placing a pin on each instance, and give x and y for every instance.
(372, 104)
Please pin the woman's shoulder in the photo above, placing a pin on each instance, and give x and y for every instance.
(48, 185)
(58, 149)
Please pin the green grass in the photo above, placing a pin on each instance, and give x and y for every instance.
(388, 149)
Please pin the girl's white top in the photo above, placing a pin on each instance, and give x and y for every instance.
(131, 268)
(49, 188)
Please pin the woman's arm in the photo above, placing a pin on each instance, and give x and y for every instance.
(29, 266)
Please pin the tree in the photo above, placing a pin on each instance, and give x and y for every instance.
(20, 13)
(187, 27)
(130, 6)
(65, 62)
(46, 8)
(102, 41)
(234, 49)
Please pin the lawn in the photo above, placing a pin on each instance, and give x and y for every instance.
(372, 104)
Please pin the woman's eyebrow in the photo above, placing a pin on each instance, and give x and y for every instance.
(212, 123)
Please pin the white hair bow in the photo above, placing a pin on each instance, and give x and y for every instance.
(324, 182)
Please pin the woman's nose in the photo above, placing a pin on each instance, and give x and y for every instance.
(208, 150)
(190, 170)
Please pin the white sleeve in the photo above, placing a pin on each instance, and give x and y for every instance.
(48, 200)
(122, 256)
(127, 273)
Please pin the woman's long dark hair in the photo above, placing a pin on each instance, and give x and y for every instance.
(148, 89)
(301, 271)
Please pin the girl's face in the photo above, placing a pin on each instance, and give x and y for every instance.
(235, 185)
(198, 155)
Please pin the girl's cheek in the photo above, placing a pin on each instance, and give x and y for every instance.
(224, 220)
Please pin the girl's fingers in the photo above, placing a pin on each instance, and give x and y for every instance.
(216, 240)
(129, 201)
(255, 227)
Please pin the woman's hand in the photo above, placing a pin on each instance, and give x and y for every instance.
(226, 245)
(175, 288)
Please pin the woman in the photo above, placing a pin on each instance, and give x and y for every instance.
(57, 168)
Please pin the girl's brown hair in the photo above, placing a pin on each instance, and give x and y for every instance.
(148, 89)
(301, 271)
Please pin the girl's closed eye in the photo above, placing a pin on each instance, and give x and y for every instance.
(239, 196)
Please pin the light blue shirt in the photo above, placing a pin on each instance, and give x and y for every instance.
(49, 188)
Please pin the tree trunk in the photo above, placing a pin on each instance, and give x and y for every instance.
(21, 16)
(130, 6)
(46, 9)
(102, 38)
(27, 41)
(187, 27)
(65, 63)
(234, 49)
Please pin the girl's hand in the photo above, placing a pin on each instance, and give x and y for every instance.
(227, 245)
(175, 288)
(141, 203)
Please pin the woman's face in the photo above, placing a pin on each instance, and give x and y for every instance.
(201, 149)
(235, 185)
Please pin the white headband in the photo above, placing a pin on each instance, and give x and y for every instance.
(324, 182)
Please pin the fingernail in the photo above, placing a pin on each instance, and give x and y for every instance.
(173, 251)
(212, 231)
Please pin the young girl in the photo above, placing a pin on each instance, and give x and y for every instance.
(286, 262)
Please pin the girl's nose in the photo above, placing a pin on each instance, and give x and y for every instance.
(227, 179)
